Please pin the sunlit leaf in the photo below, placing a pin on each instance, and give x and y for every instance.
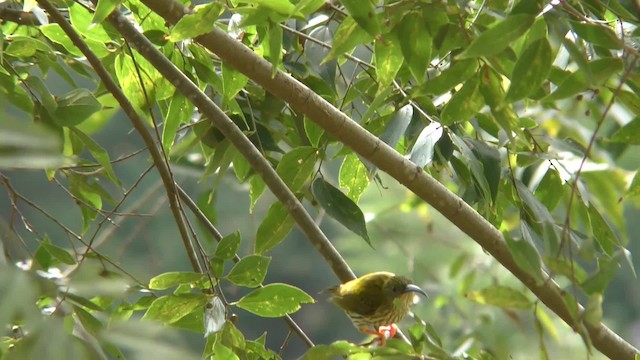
(296, 166)
(249, 271)
(531, 70)
(171, 279)
(276, 225)
(501, 296)
(274, 300)
(353, 176)
(497, 38)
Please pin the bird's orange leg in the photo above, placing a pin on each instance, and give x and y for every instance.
(383, 333)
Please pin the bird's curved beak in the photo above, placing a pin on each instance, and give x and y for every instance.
(416, 289)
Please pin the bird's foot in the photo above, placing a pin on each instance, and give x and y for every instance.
(383, 333)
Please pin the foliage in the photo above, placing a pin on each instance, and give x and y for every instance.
(528, 111)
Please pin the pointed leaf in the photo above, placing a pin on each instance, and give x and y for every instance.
(296, 166)
(201, 21)
(389, 59)
(531, 70)
(416, 48)
(59, 253)
(171, 308)
(497, 38)
(171, 279)
(249, 271)
(228, 246)
(75, 107)
(464, 104)
(602, 232)
(274, 228)
(347, 37)
(458, 73)
(340, 207)
(597, 34)
(364, 13)
(354, 176)
(628, 134)
(501, 296)
(274, 300)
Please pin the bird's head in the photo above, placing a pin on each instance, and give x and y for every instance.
(400, 286)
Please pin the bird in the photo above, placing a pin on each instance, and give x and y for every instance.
(376, 301)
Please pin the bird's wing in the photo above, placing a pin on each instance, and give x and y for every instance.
(364, 302)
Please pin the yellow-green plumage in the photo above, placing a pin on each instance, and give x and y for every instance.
(375, 299)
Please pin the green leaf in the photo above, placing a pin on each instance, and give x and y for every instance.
(599, 281)
(630, 100)
(223, 352)
(179, 112)
(282, 7)
(171, 279)
(416, 48)
(560, 266)
(550, 189)
(597, 72)
(389, 59)
(201, 21)
(55, 33)
(296, 167)
(458, 73)
(593, 309)
(497, 38)
(353, 176)
(249, 271)
(307, 7)
(274, 300)
(501, 296)
(273, 52)
(628, 134)
(597, 34)
(274, 228)
(313, 131)
(364, 13)
(340, 207)
(232, 82)
(256, 189)
(464, 104)
(59, 253)
(602, 232)
(337, 349)
(531, 70)
(103, 9)
(88, 321)
(525, 254)
(347, 37)
(228, 246)
(25, 47)
(75, 107)
(490, 158)
(81, 19)
(171, 308)
(634, 188)
(98, 153)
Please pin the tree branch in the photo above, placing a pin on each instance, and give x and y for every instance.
(238, 139)
(138, 124)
